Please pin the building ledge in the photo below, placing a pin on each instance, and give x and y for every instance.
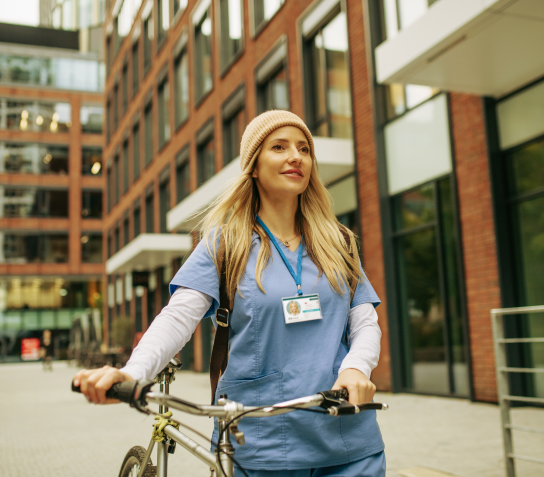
(484, 47)
(148, 252)
(335, 160)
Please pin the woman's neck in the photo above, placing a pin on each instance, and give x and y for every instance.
(279, 215)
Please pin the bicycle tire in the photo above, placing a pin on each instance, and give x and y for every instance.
(133, 462)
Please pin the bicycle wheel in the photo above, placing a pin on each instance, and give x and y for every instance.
(133, 462)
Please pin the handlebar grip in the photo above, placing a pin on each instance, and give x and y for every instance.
(337, 395)
(124, 392)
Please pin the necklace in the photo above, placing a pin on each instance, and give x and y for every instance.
(286, 242)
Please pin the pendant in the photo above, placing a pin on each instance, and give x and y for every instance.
(286, 243)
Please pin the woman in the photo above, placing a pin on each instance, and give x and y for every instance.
(276, 220)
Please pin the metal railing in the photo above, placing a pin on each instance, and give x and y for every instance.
(503, 386)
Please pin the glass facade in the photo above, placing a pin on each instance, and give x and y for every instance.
(181, 78)
(273, 93)
(205, 160)
(164, 112)
(30, 158)
(33, 202)
(429, 285)
(91, 204)
(91, 161)
(92, 119)
(91, 247)
(33, 115)
(30, 247)
(264, 10)
(233, 128)
(327, 78)
(59, 73)
(231, 30)
(183, 180)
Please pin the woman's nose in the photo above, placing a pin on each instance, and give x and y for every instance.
(295, 155)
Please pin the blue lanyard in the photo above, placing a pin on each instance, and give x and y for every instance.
(298, 276)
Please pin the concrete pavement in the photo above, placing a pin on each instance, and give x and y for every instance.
(46, 430)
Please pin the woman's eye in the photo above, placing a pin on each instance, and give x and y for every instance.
(276, 147)
(305, 150)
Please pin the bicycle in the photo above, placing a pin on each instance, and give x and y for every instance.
(138, 463)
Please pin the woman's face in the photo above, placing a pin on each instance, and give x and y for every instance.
(293, 308)
(284, 164)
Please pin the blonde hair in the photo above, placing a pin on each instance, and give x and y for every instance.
(233, 215)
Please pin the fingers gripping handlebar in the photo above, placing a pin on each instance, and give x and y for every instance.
(130, 392)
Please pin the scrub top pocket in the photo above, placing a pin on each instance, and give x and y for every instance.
(262, 391)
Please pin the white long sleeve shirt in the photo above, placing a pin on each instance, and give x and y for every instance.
(176, 323)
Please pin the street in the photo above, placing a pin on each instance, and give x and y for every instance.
(48, 431)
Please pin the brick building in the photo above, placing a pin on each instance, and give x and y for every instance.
(432, 160)
(51, 185)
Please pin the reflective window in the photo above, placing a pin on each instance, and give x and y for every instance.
(148, 37)
(33, 158)
(181, 78)
(135, 151)
(163, 20)
(273, 92)
(33, 202)
(203, 56)
(125, 167)
(28, 247)
(401, 98)
(400, 14)
(135, 67)
(164, 204)
(124, 81)
(35, 115)
(91, 204)
(91, 247)
(231, 30)
(327, 76)
(92, 118)
(62, 73)
(233, 128)
(179, 5)
(91, 161)
(148, 133)
(429, 283)
(205, 160)
(126, 235)
(183, 179)
(149, 214)
(115, 106)
(264, 10)
(137, 222)
(164, 112)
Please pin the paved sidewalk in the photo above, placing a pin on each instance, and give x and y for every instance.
(48, 431)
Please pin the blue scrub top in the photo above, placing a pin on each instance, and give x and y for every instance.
(271, 361)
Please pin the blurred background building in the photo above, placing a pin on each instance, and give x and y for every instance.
(51, 114)
(428, 117)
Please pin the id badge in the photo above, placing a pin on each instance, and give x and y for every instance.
(301, 308)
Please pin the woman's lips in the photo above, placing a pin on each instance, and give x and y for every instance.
(293, 173)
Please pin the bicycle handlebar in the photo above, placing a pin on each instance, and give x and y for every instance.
(138, 395)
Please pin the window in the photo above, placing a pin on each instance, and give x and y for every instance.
(205, 153)
(181, 78)
(91, 118)
(31, 158)
(116, 238)
(163, 20)
(135, 67)
(164, 112)
(126, 238)
(203, 56)
(401, 98)
(115, 179)
(76, 74)
(124, 79)
(264, 10)
(35, 116)
(400, 14)
(183, 174)
(125, 166)
(33, 202)
(148, 37)
(327, 78)
(28, 247)
(91, 161)
(135, 151)
(273, 93)
(148, 133)
(110, 244)
(91, 204)
(108, 120)
(427, 250)
(164, 198)
(115, 106)
(231, 30)
(109, 190)
(91, 247)
(149, 214)
(234, 124)
(137, 218)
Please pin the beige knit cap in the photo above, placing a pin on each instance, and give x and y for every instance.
(258, 129)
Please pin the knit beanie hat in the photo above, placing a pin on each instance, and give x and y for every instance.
(258, 129)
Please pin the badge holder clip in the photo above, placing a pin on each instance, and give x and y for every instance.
(222, 317)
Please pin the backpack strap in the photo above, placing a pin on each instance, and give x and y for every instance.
(220, 350)
(347, 237)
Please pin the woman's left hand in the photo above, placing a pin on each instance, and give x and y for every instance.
(360, 388)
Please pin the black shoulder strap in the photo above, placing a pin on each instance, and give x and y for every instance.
(220, 350)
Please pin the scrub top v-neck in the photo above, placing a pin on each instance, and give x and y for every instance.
(271, 361)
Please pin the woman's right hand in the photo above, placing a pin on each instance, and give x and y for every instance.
(95, 382)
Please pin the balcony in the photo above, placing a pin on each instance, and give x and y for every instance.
(483, 47)
(335, 161)
(148, 252)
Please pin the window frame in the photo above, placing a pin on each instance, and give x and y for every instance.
(230, 109)
(257, 29)
(198, 66)
(226, 62)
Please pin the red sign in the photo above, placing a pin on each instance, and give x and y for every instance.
(30, 349)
